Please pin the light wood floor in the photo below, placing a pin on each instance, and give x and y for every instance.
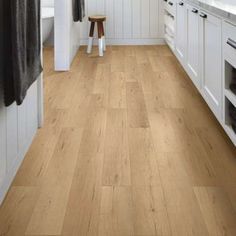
(129, 148)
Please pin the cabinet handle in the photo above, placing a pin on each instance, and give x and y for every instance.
(181, 3)
(170, 3)
(203, 15)
(195, 10)
(165, 0)
(231, 43)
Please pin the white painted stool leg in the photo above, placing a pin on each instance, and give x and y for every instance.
(104, 43)
(90, 45)
(100, 45)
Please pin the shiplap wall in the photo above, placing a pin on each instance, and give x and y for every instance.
(128, 21)
(18, 125)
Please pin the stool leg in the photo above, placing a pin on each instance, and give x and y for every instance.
(103, 38)
(100, 41)
(90, 42)
(104, 43)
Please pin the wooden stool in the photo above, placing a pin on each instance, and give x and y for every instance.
(101, 35)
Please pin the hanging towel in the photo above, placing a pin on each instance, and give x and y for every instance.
(1, 48)
(78, 10)
(24, 47)
(7, 64)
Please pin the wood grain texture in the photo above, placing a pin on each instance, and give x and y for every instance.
(129, 148)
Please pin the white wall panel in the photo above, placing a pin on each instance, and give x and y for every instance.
(67, 34)
(12, 135)
(127, 16)
(109, 11)
(22, 125)
(118, 19)
(18, 125)
(3, 152)
(136, 19)
(155, 20)
(127, 20)
(145, 18)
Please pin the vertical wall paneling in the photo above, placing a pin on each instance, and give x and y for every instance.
(110, 33)
(84, 24)
(145, 18)
(22, 125)
(3, 164)
(101, 6)
(18, 125)
(31, 111)
(154, 18)
(128, 21)
(12, 135)
(136, 13)
(161, 19)
(127, 16)
(118, 19)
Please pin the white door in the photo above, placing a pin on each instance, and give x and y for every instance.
(181, 30)
(192, 57)
(210, 27)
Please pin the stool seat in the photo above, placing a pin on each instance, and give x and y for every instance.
(97, 18)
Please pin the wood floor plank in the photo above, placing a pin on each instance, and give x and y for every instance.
(16, 210)
(49, 212)
(82, 214)
(147, 78)
(101, 80)
(116, 166)
(117, 90)
(137, 112)
(116, 217)
(94, 131)
(141, 55)
(217, 210)
(164, 135)
(183, 210)
(128, 148)
(222, 158)
(144, 169)
(37, 159)
(117, 62)
(150, 213)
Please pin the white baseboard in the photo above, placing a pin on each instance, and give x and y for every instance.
(158, 41)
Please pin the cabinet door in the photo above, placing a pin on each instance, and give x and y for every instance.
(192, 58)
(181, 30)
(210, 27)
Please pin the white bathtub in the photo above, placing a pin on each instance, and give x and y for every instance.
(48, 21)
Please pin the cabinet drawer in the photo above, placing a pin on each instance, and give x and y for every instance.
(170, 6)
(229, 40)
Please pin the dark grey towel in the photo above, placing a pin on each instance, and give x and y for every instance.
(1, 47)
(23, 43)
(78, 10)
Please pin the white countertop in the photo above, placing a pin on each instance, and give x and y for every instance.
(223, 8)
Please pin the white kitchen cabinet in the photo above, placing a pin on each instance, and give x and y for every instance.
(199, 37)
(181, 31)
(192, 57)
(211, 61)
